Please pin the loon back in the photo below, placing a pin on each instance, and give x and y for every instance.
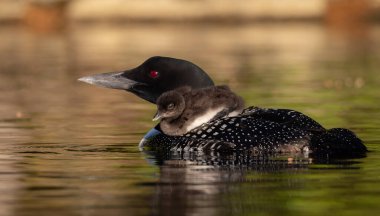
(261, 131)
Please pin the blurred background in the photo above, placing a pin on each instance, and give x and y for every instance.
(70, 147)
(257, 46)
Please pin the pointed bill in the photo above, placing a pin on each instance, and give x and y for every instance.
(157, 117)
(113, 80)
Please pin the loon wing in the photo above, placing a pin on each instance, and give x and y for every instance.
(290, 118)
(242, 132)
(264, 131)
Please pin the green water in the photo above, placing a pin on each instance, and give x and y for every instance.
(67, 148)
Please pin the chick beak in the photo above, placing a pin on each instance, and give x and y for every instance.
(157, 117)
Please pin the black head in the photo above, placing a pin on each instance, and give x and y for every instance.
(154, 77)
(170, 105)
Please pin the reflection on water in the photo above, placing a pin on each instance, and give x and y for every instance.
(69, 147)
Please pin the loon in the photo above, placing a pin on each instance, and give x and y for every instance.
(260, 130)
(184, 109)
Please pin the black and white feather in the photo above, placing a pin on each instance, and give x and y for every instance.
(259, 130)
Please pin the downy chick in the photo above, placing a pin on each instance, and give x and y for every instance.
(184, 109)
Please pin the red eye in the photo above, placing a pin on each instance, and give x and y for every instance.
(154, 74)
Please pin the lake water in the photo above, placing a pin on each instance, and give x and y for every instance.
(68, 148)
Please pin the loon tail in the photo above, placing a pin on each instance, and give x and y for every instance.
(337, 142)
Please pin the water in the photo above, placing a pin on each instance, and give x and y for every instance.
(68, 148)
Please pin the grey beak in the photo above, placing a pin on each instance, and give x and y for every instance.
(157, 117)
(113, 80)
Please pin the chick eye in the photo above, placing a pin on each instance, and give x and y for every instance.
(170, 106)
(154, 74)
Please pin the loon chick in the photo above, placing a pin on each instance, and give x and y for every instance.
(256, 128)
(184, 109)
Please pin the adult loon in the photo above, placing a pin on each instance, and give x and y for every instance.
(184, 109)
(256, 129)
